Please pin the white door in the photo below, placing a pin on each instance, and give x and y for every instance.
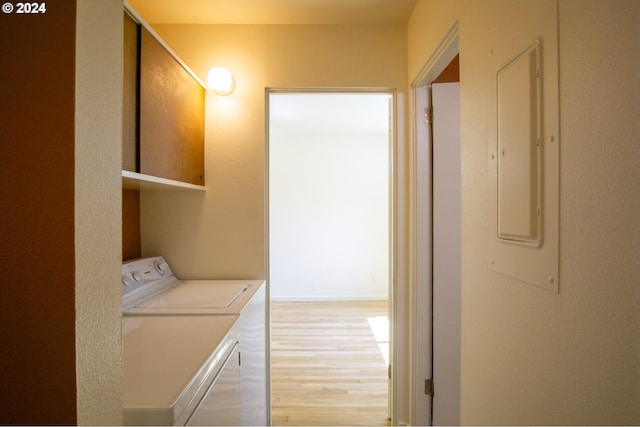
(446, 253)
(421, 298)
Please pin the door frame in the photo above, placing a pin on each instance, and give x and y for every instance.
(420, 229)
(395, 353)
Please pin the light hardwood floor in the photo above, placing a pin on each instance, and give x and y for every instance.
(327, 367)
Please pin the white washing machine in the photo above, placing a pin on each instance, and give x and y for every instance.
(153, 289)
(150, 290)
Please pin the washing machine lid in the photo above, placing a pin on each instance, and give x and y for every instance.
(167, 362)
(200, 297)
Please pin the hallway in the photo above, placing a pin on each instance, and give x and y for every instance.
(327, 363)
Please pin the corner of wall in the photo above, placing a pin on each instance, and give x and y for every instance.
(98, 203)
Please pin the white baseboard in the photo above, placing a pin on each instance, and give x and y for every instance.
(305, 298)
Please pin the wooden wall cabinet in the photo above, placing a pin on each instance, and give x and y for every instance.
(163, 113)
(163, 125)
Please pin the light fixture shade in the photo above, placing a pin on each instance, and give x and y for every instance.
(221, 80)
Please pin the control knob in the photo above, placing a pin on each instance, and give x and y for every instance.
(127, 280)
(161, 267)
(137, 275)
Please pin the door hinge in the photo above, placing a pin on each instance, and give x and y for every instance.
(428, 115)
(428, 387)
(389, 371)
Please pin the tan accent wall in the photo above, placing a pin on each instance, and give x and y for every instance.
(130, 224)
(37, 262)
(450, 74)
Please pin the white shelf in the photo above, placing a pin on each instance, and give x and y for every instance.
(139, 181)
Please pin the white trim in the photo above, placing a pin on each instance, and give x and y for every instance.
(395, 217)
(439, 59)
(420, 274)
(302, 298)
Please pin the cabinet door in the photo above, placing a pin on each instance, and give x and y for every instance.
(171, 116)
(130, 95)
(222, 402)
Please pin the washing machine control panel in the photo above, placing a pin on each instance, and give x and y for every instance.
(145, 276)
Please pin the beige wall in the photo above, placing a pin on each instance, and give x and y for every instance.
(530, 356)
(221, 233)
(98, 225)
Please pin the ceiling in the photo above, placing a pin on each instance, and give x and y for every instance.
(355, 114)
(350, 12)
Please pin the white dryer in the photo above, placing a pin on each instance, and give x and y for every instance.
(151, 290)
(181, 370)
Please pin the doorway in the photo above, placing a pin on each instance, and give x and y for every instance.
(437, 233)
(329, 225)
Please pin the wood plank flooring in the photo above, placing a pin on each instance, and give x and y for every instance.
(327, 367)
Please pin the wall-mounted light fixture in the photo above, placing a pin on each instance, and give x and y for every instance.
(221, 81)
